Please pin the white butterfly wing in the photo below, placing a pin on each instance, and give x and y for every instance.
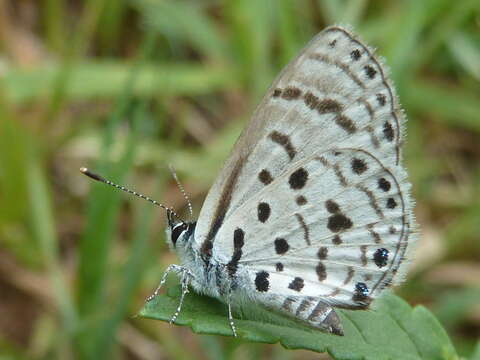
(334, 95)
(336, 226)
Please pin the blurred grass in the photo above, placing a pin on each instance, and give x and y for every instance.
(127, 87)
(90, 81)
(101, 218)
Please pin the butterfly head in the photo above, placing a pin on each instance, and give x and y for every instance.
(179, 232)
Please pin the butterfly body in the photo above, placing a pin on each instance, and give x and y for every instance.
(312, 210)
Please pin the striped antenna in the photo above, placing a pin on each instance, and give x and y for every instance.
(99, 178)
(182, 190)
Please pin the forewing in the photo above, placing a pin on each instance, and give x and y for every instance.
(335, 94)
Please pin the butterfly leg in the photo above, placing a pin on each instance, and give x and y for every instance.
(185, 280)
(230, 317)
(176, 269)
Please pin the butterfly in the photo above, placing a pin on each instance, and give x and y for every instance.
(312, 210)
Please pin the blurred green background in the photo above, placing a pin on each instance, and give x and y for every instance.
(128, 87)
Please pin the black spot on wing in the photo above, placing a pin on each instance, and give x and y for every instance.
(301, 200)
(238, 242)
(355, 54)
(265, 177)
(381, 99)
(281, 246)
(238, 238)
(391, 203)
(388, 131)
(262, 283)
(331, 206)
(298, 179)
(232, 265)
(322, 252)
(339, 222)
(370, 71)
(321, 271)
(297, 284)
(361, 292)
(380, 257)
(384, 184)
(263, 212)
(359, 166)
(337, 240)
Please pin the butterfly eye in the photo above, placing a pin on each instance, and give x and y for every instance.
(177, 231)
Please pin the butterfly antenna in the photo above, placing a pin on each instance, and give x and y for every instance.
(99, 178)
(182, 190)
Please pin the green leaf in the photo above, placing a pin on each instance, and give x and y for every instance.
(391, 330)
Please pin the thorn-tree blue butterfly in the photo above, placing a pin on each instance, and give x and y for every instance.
(312, 209)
